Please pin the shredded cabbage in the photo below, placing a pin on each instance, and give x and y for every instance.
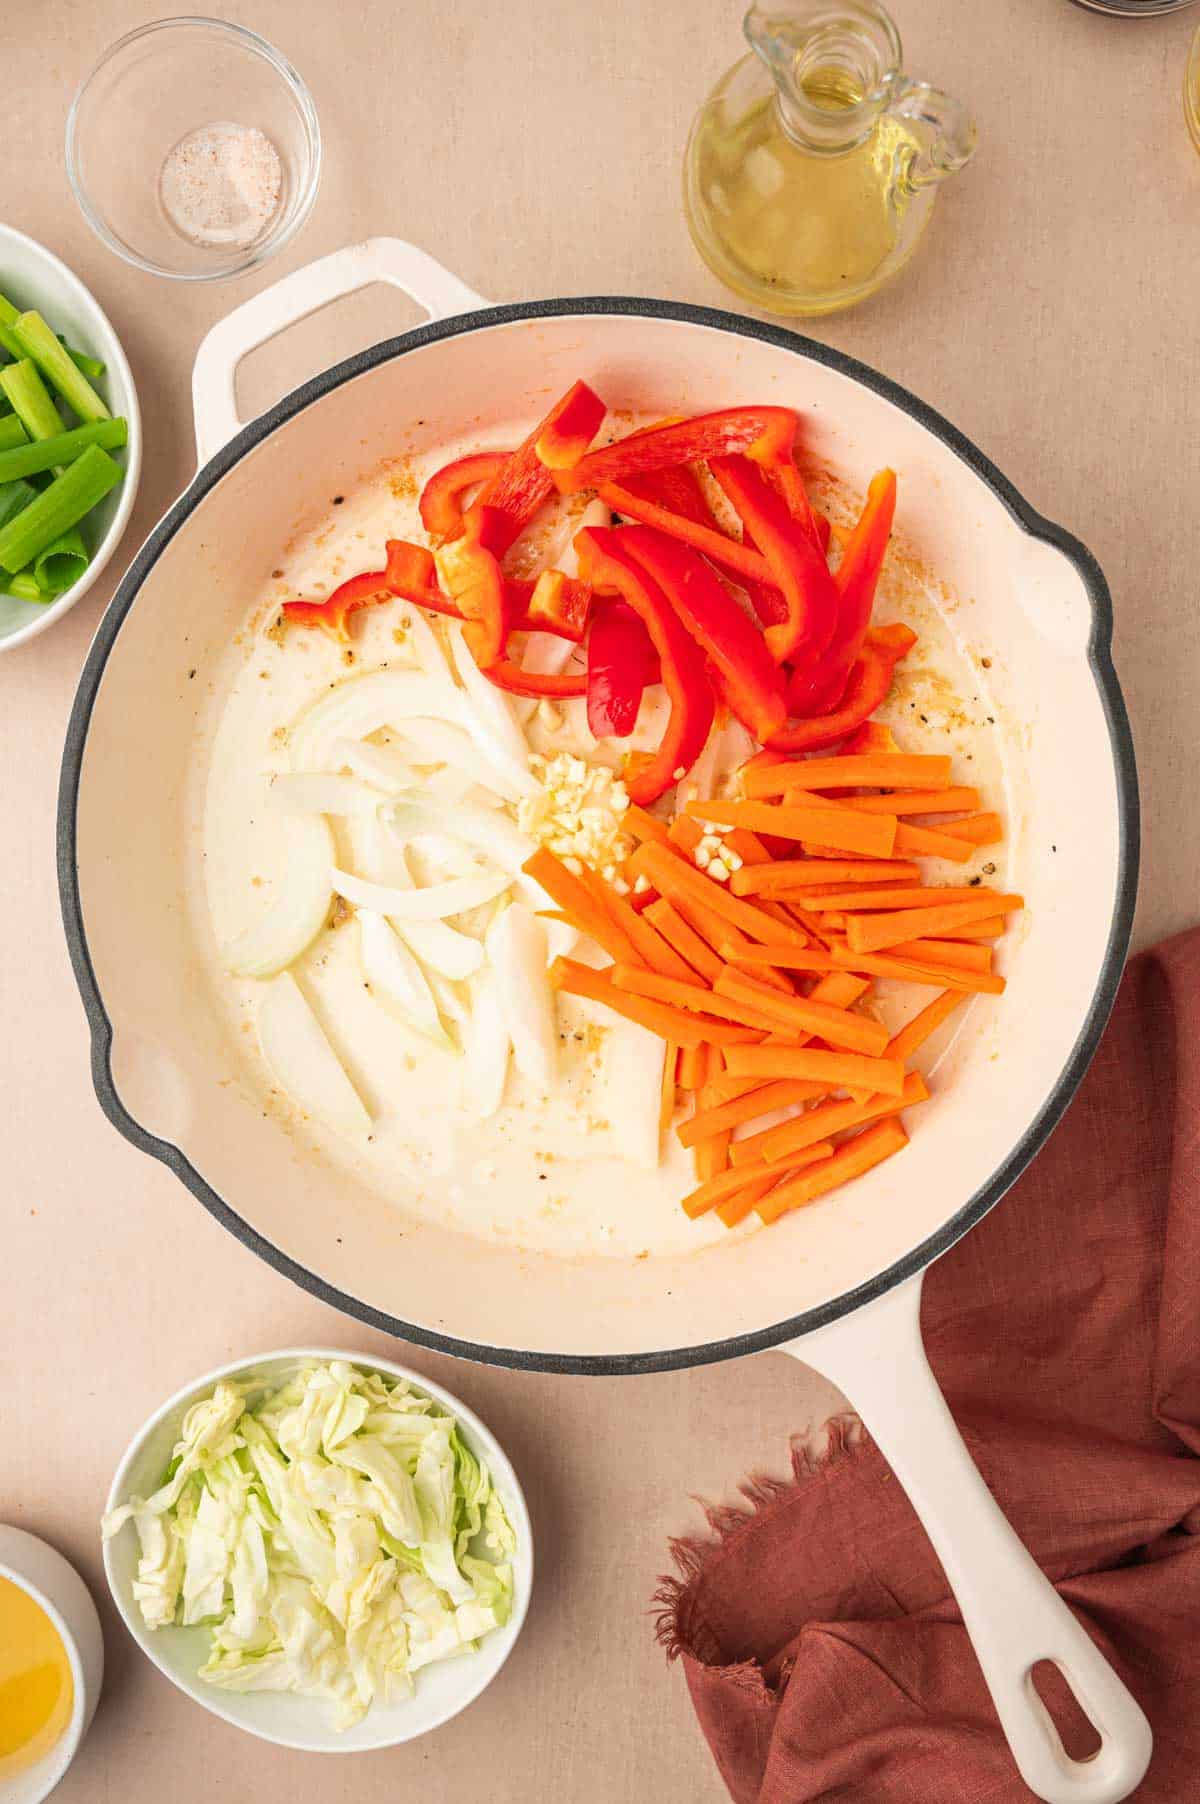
(334, 1536)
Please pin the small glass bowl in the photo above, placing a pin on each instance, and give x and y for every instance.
(147, 93)
(1191, 92)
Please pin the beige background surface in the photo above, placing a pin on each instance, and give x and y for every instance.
(534, 147)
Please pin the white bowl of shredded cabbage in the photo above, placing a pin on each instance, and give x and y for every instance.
(328, 1551)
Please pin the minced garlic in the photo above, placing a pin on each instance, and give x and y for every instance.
(576, 812)
(716, 858)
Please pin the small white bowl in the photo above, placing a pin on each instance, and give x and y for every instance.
(57, 1588)
(32, 276)
(440, 1691)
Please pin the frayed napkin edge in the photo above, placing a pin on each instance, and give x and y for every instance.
(677, 1628)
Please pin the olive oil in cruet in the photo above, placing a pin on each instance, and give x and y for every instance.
(811, 170)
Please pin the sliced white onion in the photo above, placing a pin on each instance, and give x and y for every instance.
(455, 786)
(737, 744)
(438, 856)
(561, 937)
(303, 1062)
(390, 968)
(360, 706)
(494, 834)
(578, 734)
(300, 909)
(439, 947)
(726, 750)
(440, 742)
(516, 946)
(698, 784)
(485, 1066)
(431, 904)
(633, 1062)
(547, 655)
(428, 648)
(561, 940)
(314, 792)
(451, 1006)
(384, 766)
(596, 513)
(489, 720)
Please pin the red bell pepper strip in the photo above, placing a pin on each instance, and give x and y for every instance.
(818, 684)
(496, 518)
(604, 561)
(333, 612)
(681, 491)
(796, 564)
(747, 679)
(872, 736)
(553, 604)
(510, 676)
(779, 463)
(621, 665)
(524, 484)
(870, 681)
(677, 488)
(412, 573)
(556, 604)
(739, 559)
(769, 431)
(470, 569)
(568, 431)
(441, 498)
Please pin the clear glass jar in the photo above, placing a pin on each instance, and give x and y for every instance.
(151, 90)
(812, 168)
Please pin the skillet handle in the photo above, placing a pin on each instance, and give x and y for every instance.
(329, 279)
(1011, 1611)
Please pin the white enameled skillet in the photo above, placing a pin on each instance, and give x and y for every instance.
(840, 1288)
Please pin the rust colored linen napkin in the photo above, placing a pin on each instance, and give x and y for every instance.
(824, 1656)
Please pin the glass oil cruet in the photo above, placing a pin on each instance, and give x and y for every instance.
(812, 168)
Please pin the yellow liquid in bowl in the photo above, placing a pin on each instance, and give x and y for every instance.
(36, 1688)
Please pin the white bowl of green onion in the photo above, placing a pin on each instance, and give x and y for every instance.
(70, 439)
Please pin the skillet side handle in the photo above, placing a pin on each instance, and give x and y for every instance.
(1011, 1611)
(317, 285)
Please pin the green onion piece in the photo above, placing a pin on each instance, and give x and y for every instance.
(69, 497)
(25, 589)
(13, 497)
(38, 341)
(62, 563)
(91, 367)
(12, 433)
(30, 400)
(8, 318)
(17, 459)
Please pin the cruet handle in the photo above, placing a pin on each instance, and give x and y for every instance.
(948, 136)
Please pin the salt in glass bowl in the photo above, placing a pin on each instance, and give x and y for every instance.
(147, 94)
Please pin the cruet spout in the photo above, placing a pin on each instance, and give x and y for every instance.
(812, 168)
(945, 130)
(834, 64)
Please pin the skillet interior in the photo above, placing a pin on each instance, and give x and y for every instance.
(1017, 593)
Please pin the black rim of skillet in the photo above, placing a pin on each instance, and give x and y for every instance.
(1035, 1135)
